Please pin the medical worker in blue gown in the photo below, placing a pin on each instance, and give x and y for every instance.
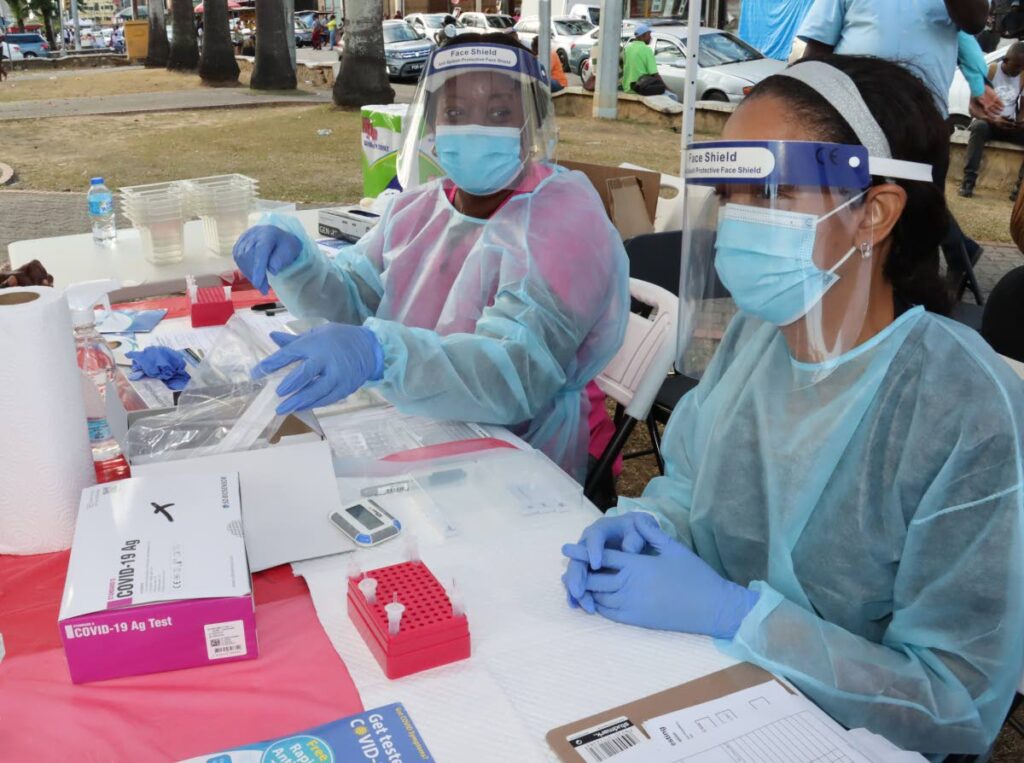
(842, 497)
(493, 293)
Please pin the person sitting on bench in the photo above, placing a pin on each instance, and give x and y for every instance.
(1008, 80)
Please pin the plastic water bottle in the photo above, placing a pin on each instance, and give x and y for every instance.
(98, 368)
(101, 213)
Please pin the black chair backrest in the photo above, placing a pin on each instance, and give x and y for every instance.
(656, 258)
(1002, 324)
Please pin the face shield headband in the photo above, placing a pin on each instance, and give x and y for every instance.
(794, 163)
(452, 59)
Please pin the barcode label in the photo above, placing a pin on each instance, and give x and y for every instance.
(604, 742)
(225, 639)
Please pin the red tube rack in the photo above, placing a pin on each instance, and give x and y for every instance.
(429, 633)
(212, 307)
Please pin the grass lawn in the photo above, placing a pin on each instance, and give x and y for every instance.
(280, 146)
(277, 145)
(79, 84)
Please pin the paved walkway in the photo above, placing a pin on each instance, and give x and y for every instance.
(200, 98)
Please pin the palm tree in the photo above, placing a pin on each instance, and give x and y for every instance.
(363, 75)
(159, 49)
(217, 65)
(47, 9)
(19, 8)
(185, 45)
(273, 69)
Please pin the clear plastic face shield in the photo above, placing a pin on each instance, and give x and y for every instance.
(783, 230)
(481, 114)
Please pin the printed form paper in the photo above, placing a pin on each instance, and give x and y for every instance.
(762, 724)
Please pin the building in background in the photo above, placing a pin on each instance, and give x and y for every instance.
(100, 11)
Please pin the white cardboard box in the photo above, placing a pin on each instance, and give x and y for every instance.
(158, 578)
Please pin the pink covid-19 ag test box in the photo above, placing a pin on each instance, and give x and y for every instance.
(158, 578)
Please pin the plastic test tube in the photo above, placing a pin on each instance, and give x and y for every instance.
(369, 588)
(394, 612)
(455, 596)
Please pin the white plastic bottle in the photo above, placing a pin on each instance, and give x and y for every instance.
(101, 213)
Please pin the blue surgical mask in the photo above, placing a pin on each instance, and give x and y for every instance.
(765, 258)
(480, 160)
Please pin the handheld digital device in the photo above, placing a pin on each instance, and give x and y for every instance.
(366, 523)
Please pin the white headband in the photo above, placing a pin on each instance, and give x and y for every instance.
(840, 91)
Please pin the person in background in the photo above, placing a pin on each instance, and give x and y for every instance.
(556, 73)
(638, 60)
(32, 274)
(1007, 78)
(398, 15)
(318, 30)
(828, 511)
(471, 299)
(332, 31)
(3, 69)
(923, 35)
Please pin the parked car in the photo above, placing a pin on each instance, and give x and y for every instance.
(484, 23)
(565, 30)
(405, 49)
(591, 13)
(32, 44)
(429, 24)
(960, 92)
(579, 51)
(303, 33)
(729, 67)
(12, 52)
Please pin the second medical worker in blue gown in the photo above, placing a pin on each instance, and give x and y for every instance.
(493, 295)
(842, 502)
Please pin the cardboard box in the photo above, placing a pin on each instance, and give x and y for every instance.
(623, 214)
(158, 578)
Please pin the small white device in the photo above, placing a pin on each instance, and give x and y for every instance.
(366, 523)
(349, 223)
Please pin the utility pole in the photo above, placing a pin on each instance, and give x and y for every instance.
(74, 23)
(606, 90)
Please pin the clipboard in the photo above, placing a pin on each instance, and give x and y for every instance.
(617, 720)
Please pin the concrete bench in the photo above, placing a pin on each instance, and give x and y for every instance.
(999, 165)
(657, 110)
(318, 74)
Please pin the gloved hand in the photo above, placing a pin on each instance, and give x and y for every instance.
(159, 363)
(672, 590)
(265, 248)
(619, 532)
(337, 359)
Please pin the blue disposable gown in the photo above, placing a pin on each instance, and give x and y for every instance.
(500, 321)
(878, 511)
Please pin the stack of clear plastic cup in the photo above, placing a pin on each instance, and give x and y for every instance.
(159, 212)
(223, 203)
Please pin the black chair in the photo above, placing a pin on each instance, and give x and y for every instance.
(1002, 324)
(656, 258)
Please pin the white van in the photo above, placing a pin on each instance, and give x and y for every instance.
(591, 13)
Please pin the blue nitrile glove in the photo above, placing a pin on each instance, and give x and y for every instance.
(673, 589)
(620, 533)
(159, 363)
(265, 248)
(337, 359)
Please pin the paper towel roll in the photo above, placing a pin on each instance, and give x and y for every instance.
(45, 459)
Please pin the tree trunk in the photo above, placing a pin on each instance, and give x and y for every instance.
(159, 49)
(217, 65)
(273, 68)
(363, 75)
(185, 45)
(48, 26)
